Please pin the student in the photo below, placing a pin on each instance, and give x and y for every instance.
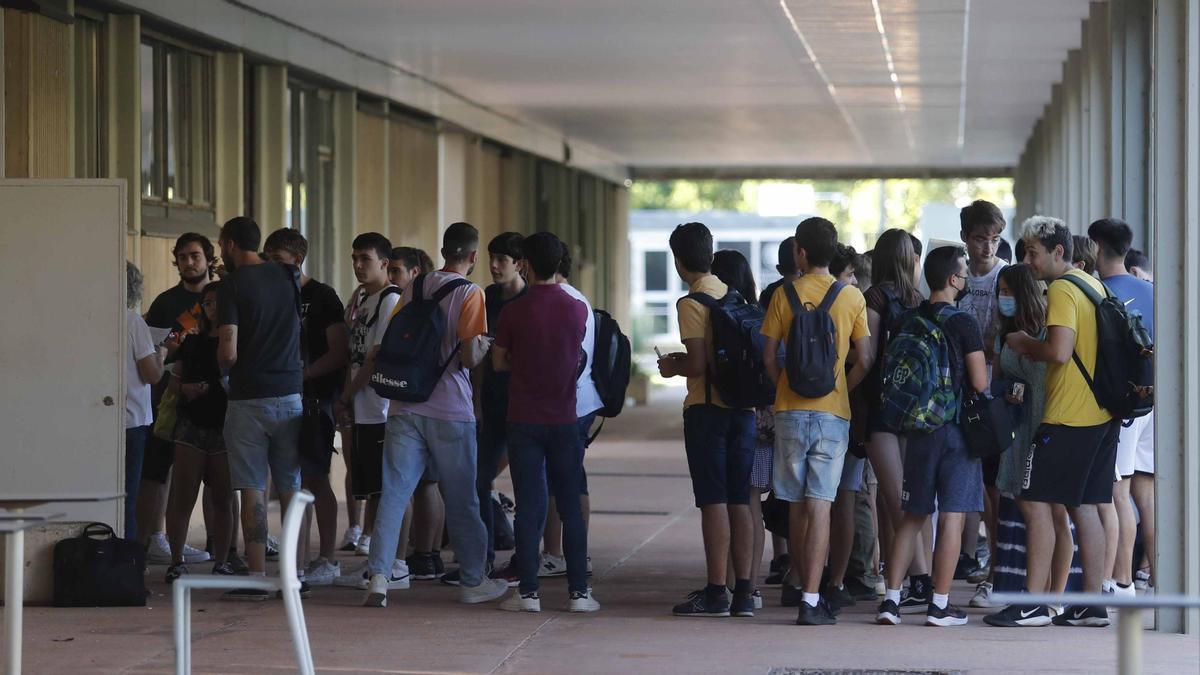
(200, 452)
(939, 472)
(1084, 254)
(143, 366)
(1138, 264)
(786, 268)
(538, 340)
(324, 349)
(1135, 447)
(1072, 460)
(718, 440)
(440, 432)
(259, 331)
(812, 434)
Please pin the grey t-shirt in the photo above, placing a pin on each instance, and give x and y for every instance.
(263, 302)
(980, 300)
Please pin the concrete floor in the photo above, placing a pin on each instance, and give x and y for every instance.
(646, 550)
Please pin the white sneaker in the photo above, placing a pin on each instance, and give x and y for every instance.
(377, 590)
(1109, 587)
(322, 572)
(355, 577)
(983, 596)
(351, 539)
(486, 591)
(552, 566)
(364, 545)
(522, 603)
(1141, 579)
(1127, 592)
(400, 577)
(159, 552)
(583, 602)
(397, 580)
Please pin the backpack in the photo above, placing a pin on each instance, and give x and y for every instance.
(918, 393)
(811, 356)
(737, 370)
(409, 363)
(611, 363)
(1124, 379)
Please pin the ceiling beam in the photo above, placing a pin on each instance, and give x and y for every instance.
(815, 172)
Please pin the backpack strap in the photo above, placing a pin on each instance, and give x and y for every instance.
(711, 303)
(387, 290)
(793, 298)
(1095, 298)
(831, 296)
(446, 289)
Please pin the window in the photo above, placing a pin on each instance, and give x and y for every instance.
(177, 138)
(655, 270)
(89, 97)
(308, 197)
(659, 317)
(768, 257)
(742, 247)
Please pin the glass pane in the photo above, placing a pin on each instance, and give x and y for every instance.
(657, 311)
(172, 118)
(150, 169)
(200, 128)
(768, 254)
(742, 247)
(655, 270)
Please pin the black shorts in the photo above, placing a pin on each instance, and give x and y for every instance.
(319, 466)
(366, 460)
(1072, 465)
(719, 443)
(160, 455)
(991, 469)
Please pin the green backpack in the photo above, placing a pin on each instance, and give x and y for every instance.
(918, 394)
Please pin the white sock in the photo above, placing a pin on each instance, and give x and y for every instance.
(811, 599)
(892, 594)
(940, 600)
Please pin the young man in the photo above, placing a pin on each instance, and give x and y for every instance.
(718, 440)
(259, 333)
(939, 472)
(1138, 264)
(786, 268)
(538, 340)
(813, 434)
(1073, 458)
(1135, 447)
(440, 432)
(324, 349)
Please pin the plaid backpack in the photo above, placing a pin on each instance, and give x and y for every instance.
(918, 393)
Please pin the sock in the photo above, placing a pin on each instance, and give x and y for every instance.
(811, 599)
(714, 591)
(892, 594)
(940, 600)
(742, 587)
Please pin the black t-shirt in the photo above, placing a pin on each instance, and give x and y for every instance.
(495, 385)
(764, 298)
(197, 359)
(320, 308)
(962, 335)
(176, 308)
(262, 301)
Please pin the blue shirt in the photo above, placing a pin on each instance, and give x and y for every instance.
(1138, 296)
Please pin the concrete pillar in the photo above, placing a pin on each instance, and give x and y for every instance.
(123, 116)
(1099, 188)
(1058, 150)
(1073, 124)
(270, 146)
(228, 136)
(619, 258)
(345, 161)
(1135, 109)
(1116, 109)
(453, 167)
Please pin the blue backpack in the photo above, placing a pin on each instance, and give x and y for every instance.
(918, 393)
(409, 362)
(812, 352)
(737, 370)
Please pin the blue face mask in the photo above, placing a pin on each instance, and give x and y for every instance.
(1008, 306)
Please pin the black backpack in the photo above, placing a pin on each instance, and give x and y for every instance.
(812, 353)
(1124, 379)
(409, 362)
(737, 370)
(612, 363)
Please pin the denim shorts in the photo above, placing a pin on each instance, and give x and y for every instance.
(720, 453)
(940, 474)
(263, 435)
(810, 449)
(210, 441)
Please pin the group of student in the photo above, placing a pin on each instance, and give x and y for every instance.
(240, 376)
(867, 381)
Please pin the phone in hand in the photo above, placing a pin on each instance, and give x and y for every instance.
(658, 352)
(1017, 391)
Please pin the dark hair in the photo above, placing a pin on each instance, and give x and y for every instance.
(564, 265)
(507, 243)
(289, 240)
(1112, 235)
(1019, 251)
(692, 246)
(981, 213)
(892, 263)
(543, 252)
(242, 232)
(373, 241)
(1083, 250)
(845, 256)
(732, 268)
(818, 237)
(787, 257)
(863, 271)
(186, 238)
(917, 246)
(459, 241)
(1135, 258)
(1004, 251)
(1031, 302)
(941, 263)
(214, 288)
(1049, 232)
(411, 257)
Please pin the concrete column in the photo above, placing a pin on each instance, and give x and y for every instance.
(345, 160)
(1116, 109)
(228, 136)
(270, 146)
(1058, 150)
(123, 116)
(1073, 124)
(1099, 188)
(1085, 116)
(1135, 94)
(619, 258)
(453, 167)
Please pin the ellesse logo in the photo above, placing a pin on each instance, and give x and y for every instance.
(378, 378)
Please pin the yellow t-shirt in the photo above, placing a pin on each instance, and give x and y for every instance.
(1069, 400)
(849, 314)
(694, 323)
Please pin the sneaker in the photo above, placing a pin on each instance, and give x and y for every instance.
(522, 602)
(224, 570)
(820, 615)
(1055, 610)
(322, 572)
(916, 598)
(888, 614)
(486, 591)
(790, 596)
(421, 567)
(582, 602)
(438, 565)
(1141, 579)
(742, 604)
(860, 591)
(966, 565)
(237, 564)
(983, 596)
(353, 578)
(351, 539)
(158, 552)
(247, 595)
(272, 548)
(507, 574)
(778, 570)
(979, 574)
(698, 604)
(1109, 587)
(364, 545)
(945, 616)
(552, 566)
(398, 579)
(1124, 591)
(1015, 616)
(174, 572)
(377, 591)
(757, 596)
(589, 565)
(454, 576)
(1083, 616)
(880, 587)
(838, 598)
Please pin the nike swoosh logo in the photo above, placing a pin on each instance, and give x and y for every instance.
(1128, 301)
(1026, 615)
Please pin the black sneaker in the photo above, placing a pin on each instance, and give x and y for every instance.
(237, 563)
(223, 570)
(742, 604)
(454, 576)
(838, 598)
(507, 574)
(964, 567)
(889, 613)
(1082, 616)
(174, 572)
(947, 616)
(859, 590)
(438, 565)
(790, 596)
(247, 595)
(421, 567)
(699, 604)
(779, 570)
(272, 549)
(821, 615)
(1016, 616)
(916, 597)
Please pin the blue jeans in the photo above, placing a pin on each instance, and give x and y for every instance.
(810, 448)
(261, 435)
(414, 442)
(585, 427)
(135, 452)
(537, 452)
(493, 443)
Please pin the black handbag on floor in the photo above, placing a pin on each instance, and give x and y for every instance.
(986, 425)
(99, 569)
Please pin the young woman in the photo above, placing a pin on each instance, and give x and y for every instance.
(200, 453)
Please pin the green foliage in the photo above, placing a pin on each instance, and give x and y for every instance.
(685, 195)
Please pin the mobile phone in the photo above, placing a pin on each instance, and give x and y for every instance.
(1017, 391)
(657, 352)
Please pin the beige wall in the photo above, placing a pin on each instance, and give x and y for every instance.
(37, 96)
(413, 185)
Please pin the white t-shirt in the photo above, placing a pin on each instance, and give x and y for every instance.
(137, 393)
(587, 399)
(368, 407)
(980, 300)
